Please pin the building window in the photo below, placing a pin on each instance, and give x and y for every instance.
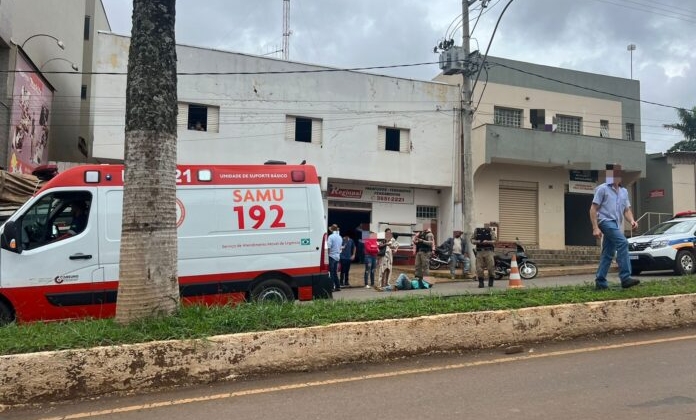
(507, 116)
(630, 132)
(197, 117)
(567, 124)
(603, 128)
(426, 212)
(88, 20)
(83, 92)
(303, 129)
(394, 139)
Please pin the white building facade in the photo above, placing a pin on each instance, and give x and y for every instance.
(382, 145)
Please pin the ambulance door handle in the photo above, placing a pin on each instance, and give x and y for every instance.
(80, 257)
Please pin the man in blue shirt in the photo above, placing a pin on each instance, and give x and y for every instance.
(335, 242)
(609, 207)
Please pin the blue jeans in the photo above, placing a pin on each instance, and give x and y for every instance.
(333, 273)
(614, 242)
(370, 265)
(454, 259)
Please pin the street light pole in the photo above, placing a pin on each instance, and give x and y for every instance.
(631, 48)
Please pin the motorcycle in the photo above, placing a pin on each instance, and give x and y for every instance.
(527, 268)
(440, 257)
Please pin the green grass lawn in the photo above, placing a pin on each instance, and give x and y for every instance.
(198, 321)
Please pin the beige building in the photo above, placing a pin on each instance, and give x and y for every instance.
(541, 139)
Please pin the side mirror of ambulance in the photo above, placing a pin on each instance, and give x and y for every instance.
(10, 237)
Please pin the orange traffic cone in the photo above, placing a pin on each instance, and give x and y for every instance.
(515, 281)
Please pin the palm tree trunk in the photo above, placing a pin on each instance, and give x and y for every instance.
(148, 267)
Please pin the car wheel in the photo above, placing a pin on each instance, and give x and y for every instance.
(685, 262)
(6, 314)
(272, 291)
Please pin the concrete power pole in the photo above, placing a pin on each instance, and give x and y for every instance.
(466, 119)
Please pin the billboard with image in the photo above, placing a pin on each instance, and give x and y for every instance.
(29, 122)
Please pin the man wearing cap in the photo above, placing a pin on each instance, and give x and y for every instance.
(609, 207)
(335, 242)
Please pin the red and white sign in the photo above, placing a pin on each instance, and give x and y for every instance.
(581, 187)
(656, 193)
(370, 193)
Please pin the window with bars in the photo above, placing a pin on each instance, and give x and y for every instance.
(603, 128)
(568, 124)
(426, 212)
(507, 116)
(630, 132)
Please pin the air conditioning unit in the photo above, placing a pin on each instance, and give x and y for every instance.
(451, 61)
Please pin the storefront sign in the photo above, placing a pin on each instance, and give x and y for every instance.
(584, 176)
(372, 193)
(656, 193)
(581, 187)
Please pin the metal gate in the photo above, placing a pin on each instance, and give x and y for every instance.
(519, 211)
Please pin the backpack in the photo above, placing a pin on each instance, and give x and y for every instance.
(371, 247)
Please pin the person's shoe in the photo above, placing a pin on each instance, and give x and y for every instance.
(452, 276)
(490, 282)
(337, 289)
(367, 286)
(481, 285)
(346, 285)
(601, 286)
(629, 282)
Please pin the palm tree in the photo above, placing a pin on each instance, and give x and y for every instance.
(148, 268)
(687, 125)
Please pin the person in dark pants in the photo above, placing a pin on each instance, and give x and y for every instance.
(484, 239)
(347, 256)
(335, 242)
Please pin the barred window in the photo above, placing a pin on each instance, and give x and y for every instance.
(507, 116)
(603, 128)
(568, 124)
(630, 132)
(426, 212)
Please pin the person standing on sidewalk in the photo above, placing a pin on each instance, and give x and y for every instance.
(335, 242)
(347, 257)
(484, 239)
(371, 250)
(424, 243)
(609, 207)
(387, 261)
(456, 247)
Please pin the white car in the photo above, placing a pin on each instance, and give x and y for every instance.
(667, 246)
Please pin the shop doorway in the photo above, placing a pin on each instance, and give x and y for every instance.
(352, 223)
(578, 228)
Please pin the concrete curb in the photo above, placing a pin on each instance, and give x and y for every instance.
(60, 375)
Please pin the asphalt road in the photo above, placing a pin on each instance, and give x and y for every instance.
(637, 376)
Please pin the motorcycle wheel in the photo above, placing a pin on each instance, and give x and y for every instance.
(499, 272)
(528, 270)
(434, 265)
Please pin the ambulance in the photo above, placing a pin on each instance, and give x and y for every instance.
(246, 232)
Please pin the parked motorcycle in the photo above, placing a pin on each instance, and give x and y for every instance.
(440, 257)
(527, 268)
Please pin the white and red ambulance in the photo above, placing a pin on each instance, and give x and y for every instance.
(246, 232)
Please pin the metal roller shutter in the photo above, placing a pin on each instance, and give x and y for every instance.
(519, 211)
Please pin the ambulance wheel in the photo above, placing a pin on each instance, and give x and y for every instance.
(272, 290)
(6, 315)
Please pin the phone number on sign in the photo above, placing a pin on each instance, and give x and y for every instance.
(389, 199)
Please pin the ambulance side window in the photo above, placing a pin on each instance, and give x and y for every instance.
(55, 217)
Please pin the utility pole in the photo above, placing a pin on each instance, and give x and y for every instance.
(286, 30)
(466, 119)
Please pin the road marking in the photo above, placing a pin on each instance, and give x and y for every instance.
(268, 390)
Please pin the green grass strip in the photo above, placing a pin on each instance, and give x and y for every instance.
(199, 321)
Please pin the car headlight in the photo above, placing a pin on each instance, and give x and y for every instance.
(658, 244)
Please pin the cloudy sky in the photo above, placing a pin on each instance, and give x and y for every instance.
(585, 35)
